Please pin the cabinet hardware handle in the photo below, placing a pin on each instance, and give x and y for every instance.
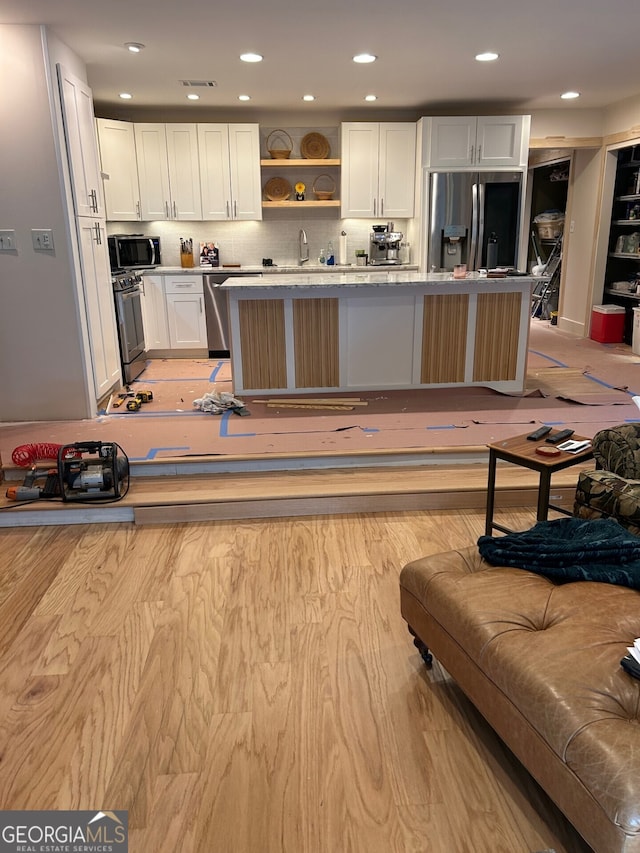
(235, 209)
(200, 300)
(93, 195)
(98, 235)
(374, 206)
(381, 207)
(471, 154)
(175, 210)
(479, 153)
(138, 209)
(166, 210)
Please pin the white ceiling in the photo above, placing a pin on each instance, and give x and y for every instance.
(426, 52)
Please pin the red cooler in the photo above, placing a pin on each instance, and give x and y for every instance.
(607, 324)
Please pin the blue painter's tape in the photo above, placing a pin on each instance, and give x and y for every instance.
(152, 453)
(548, 357)
(224, 428)
(216, 370)
(444, 426)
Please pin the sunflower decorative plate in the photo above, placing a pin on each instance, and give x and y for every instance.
(277, 189)
(315, 146)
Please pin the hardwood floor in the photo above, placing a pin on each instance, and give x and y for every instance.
(245, 686)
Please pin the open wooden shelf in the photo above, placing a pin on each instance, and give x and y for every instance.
(330, 203)
(299, 164)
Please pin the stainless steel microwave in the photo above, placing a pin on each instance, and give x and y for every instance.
(131, 251)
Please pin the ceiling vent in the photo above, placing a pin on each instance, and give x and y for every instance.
(208, 84)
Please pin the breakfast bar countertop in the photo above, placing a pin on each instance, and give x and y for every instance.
(369, 279)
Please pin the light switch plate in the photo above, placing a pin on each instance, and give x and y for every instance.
(42, 239)
(8, 240)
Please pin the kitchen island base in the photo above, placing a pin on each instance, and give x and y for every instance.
(377, 332)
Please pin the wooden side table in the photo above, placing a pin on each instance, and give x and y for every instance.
(520, 451)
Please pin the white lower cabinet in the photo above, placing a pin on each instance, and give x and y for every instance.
(154, 313)
(185, 311)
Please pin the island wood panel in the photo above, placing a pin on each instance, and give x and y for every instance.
(316, 343)
(444, 338)
(262, 335)
(497, 328)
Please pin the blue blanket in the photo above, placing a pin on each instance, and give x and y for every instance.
(570, 549)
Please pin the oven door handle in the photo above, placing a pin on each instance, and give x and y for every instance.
(153, 250)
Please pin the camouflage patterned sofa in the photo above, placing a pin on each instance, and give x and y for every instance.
(613, 489)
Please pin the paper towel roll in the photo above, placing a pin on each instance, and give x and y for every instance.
(342, 249)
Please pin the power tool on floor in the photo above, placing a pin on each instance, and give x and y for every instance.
(133, 399)
(31, 491)
(93, 470)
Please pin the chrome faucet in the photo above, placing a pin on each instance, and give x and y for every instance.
(303, 247)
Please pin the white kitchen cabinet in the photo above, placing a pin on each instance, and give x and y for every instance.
(82, 146)
(154, 313)
(168, 171)
(378, 170)
(99, 304)
(185, 311)
(120, 170)
(476, 142)
(230, 171)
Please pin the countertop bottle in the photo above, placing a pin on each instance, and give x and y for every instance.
(331, 259)
(322, 258)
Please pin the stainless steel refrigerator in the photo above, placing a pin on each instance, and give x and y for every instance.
(474, 218)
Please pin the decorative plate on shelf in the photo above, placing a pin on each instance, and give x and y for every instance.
(315, 146)
(277, 189)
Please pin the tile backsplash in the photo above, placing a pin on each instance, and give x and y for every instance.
(247, 243)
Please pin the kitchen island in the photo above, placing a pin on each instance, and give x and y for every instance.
(363, 331)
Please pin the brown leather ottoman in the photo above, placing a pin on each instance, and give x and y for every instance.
(541, 662)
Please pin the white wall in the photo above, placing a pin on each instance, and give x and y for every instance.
(568, 123)
(623, 116)
(41, 355)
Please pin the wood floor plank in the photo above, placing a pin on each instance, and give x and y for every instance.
(251, 685)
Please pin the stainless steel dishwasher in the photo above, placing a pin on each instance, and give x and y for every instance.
(216, 309)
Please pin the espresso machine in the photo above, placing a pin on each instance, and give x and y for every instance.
(384, 245)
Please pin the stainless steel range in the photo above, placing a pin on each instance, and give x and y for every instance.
(127, 291)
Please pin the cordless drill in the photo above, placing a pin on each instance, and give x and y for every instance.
(29, 491)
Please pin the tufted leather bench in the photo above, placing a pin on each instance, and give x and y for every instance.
(541, 662)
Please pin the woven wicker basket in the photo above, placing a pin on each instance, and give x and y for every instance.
(324, 187)
(279, 153)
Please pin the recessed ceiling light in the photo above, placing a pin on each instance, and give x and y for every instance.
(193, 97)
(308, 97)
(364, 57)
(125, 96)
(251, 57)
(134, 46)
(371, 97)
(568, 96)
(489, 56)
(244, 97)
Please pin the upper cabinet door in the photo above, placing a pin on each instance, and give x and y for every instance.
(453, 140)
(476, 142)
(502, 141)
(396, 164)
(81, 143)
(215, 177)
(153, 171)
(184, 171)
(244, 162)
(120, 170)
(359, 177)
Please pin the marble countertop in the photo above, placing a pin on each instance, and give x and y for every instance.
(256, 269)
(361, 278)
